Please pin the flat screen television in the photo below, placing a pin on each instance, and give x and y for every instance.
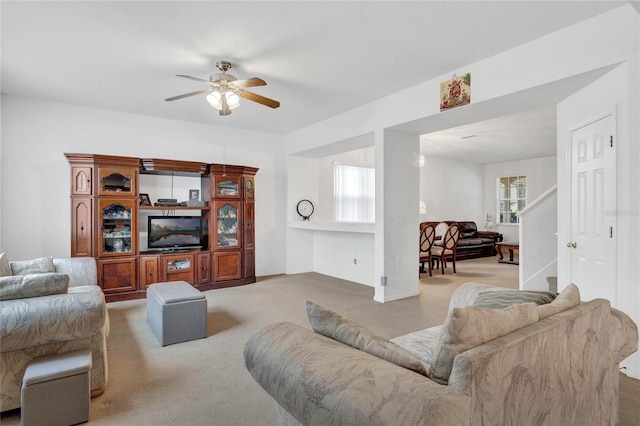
(171, 232)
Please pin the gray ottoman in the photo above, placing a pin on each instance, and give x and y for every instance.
(176, 312)
(56, 389)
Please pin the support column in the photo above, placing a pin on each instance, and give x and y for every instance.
(397, 218)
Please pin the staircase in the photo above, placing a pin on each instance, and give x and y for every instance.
(538, 241)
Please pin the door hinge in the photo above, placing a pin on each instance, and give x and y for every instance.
(611, 141)
(611, 232)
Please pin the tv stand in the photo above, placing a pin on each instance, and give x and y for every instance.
(170, 250)
(176, 250)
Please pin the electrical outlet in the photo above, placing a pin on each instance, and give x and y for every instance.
(355, 261)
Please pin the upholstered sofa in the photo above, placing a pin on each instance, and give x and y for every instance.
(472, 243)
(560, 369)
(49, 306)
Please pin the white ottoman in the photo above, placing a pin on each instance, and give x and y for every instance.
(56, 389)
(176, 312)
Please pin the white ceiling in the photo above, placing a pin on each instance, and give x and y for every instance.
(318, 58)
(528, 134)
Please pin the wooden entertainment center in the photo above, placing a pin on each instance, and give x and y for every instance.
(106, 224)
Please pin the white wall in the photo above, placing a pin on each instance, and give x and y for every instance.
(452, 190)
(540, 173)
(345, 255)
(35, 215)
(538, 241)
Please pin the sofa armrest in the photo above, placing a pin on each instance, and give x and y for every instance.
(25, 323)
(81, 270)
(321, 381)
(623, 335)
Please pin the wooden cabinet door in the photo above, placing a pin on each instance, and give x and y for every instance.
(148, 271)
(81, 227)
(118, 181)
(178, 267)
(227, 265)
(249, 231)
(249, 263)
(203, 275)
(117, 275)
(81, 180)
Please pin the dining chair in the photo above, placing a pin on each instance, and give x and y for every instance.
(427, 237)
(448, 248)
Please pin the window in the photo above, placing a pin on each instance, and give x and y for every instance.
(512, 197)
(354, 193)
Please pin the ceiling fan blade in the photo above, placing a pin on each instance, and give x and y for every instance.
(249, 82)
(193, 78)
(259, 99)
(186, 95)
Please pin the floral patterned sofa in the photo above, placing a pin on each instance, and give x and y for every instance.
(49, 306)
(527, 364)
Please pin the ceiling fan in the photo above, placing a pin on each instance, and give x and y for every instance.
(225, 90)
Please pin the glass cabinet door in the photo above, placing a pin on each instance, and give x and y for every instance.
(227, 187)
(117, 180)
(249, 190)
(227, 224)
(118, 225)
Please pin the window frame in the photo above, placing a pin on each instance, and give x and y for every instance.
(513, 198)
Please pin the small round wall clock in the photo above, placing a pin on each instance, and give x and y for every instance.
(305, 209)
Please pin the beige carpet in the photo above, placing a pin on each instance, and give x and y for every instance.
(204, 382)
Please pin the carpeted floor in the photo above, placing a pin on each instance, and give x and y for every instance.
(204, 382)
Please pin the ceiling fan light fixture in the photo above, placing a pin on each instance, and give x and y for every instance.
(233, 100)
(215, 100)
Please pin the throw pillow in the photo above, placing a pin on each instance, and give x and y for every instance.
(41, 265)
(5, 268)
(33, 285)
(333, 325)
(502, 299)
(567, 299)
(468, 327)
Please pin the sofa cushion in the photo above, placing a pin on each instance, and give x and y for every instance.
(487, 240)
(5, 268)
(568, 298)
(468, 327)
(502, 299)
(33, 285)
(333, 325)
(468, 229)
(41, 265)
(421, 343)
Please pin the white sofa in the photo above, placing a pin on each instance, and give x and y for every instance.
(34, 326)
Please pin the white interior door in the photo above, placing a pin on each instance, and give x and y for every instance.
(593, 207)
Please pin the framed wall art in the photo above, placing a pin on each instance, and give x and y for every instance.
(455, 92)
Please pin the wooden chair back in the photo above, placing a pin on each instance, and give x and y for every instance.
(450, 238)
(427, 237)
